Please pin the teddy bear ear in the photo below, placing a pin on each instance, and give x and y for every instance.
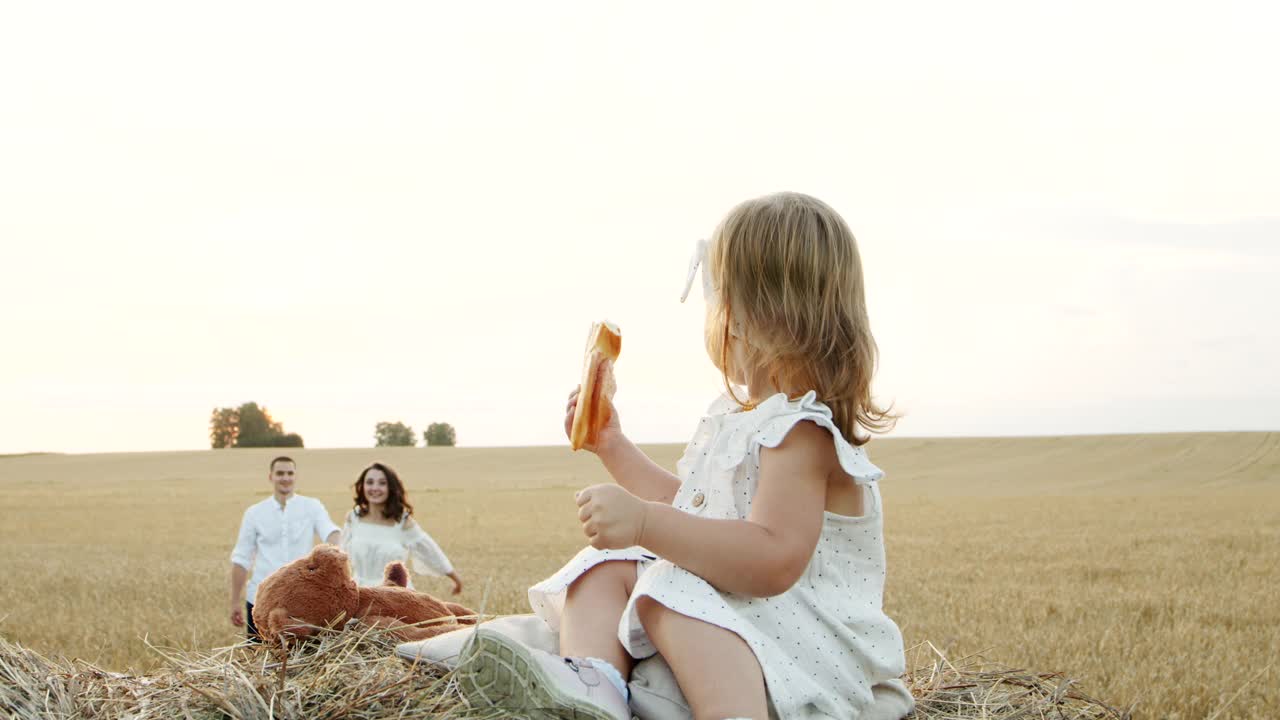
(395, 575)
(328, 552)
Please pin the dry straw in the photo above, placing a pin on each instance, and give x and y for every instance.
(975, 688)
(354, 674)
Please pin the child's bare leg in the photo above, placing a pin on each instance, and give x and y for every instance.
(589, 627)
(717, 671)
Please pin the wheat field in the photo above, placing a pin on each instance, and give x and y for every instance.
(1144, 566)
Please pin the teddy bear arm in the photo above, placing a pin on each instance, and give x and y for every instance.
(273, 624)
(465, 615)
(410, 633)
(280, 624)
(416, 631)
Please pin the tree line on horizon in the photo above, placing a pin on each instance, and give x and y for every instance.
(397, 434)
(250, 425)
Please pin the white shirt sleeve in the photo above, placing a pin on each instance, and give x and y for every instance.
(246, 542)
(323, 524)
(345, 541)
(427, 556)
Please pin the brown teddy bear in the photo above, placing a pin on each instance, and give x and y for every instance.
(318, 591)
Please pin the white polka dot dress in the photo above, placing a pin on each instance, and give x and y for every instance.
(823, 644)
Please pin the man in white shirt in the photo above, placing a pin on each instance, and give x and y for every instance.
(274, 532)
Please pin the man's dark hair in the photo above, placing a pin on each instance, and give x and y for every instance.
(282, 458)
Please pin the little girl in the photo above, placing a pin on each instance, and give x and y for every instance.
(757, 571)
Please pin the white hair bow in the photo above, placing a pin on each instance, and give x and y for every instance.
(699, 259)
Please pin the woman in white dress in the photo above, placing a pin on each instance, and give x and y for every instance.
(381, 529)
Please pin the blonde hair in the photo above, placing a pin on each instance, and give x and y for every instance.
(788, 281)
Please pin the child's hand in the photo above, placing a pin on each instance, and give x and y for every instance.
(611, 428)
(611, 517)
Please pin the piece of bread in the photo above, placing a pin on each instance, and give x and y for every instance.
(604, 343)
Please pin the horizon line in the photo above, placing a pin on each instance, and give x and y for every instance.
(1031, 436)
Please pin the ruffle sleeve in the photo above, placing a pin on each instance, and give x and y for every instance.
(426, 554)
(768, 424)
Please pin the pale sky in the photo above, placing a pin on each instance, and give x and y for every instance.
(1069, 213)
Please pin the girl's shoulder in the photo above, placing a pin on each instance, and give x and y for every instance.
(742, 434)
(730, 412)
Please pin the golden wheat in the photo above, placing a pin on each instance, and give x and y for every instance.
(1142, 565)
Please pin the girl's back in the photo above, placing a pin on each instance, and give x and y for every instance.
(837, 646)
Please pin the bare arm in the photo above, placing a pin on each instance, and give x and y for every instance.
(241, 558)
(635, 471)
(334, 537)
(768, 552)
(626, 463)
(457, 582)
(239, 576)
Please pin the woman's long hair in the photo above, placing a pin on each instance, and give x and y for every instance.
(397, 504)
(788, 289)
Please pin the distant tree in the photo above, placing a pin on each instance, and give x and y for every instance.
(257, 429)
(248, 426)
(290, 440)
(440, 434)
(224, 427)
(395, 434)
